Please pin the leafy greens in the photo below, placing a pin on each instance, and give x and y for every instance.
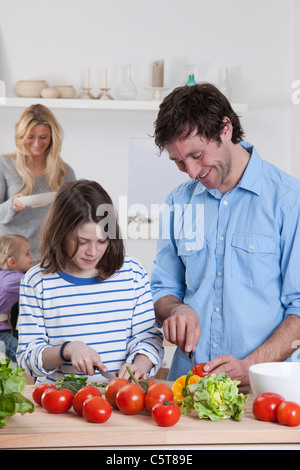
(75, 382)
(12, 385)
(214, 397)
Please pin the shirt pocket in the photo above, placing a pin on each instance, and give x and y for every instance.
(194, 257)
(253, 259)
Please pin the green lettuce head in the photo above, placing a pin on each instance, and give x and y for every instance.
(215, 397)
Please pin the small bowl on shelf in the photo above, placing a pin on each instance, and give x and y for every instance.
(50, 93)
(30, 88)
(65, 91)
(276, 377)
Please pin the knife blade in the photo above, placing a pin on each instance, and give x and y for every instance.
(107, 375)
(191, 357)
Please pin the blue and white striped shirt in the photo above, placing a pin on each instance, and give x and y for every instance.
(115, 317)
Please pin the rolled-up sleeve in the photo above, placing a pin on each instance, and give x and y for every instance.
(33, 337)
(168, 272)
(145, 337)
(290, 247)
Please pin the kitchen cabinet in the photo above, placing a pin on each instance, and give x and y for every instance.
(42, 430)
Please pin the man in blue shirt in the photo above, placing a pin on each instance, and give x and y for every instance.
(226, 279)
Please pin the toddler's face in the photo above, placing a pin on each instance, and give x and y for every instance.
(24, 259)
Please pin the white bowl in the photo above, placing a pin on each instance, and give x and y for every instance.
(30, 88)
(37, 200)
(276, 377)
(66, 91)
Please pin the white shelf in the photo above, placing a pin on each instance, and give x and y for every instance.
(95, 104)
(81, 104)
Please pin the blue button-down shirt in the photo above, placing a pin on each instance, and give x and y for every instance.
(234, 258)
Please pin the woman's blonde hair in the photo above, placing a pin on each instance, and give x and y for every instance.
(10, 247)
(55, 171)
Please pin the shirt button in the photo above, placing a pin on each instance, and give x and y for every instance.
(225, 203)
(219, 273)
(217, 309)
(215, 345)
(251, 247)
(221, 239)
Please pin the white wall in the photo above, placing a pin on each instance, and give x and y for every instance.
(295, 169)
(58, 40)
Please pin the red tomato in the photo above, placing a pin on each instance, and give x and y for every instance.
(198, 369)
(265, 406)
(82, 395)
(288, 412)
(57, 401)
(166, 413)
(157, 393)
(96, 410)
(112, 389)
(38, 392)
(130, 399)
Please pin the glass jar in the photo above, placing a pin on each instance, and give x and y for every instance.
(224, 82)
(127, 89)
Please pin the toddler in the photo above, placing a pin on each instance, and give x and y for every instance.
(15, 260)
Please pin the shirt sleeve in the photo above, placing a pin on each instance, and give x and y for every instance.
(145, 337)
(7, 212)
(70, 174)
(11, 281)
(33, 338)
(168, 273)
(290, 248)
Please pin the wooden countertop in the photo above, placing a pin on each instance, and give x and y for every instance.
(42, 430)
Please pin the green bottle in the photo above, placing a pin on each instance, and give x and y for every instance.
(191, 81)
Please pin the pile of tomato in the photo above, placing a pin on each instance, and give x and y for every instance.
(158, 399)
(120, 394)
(273, 407)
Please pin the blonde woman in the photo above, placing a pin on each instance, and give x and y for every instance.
(35, 168)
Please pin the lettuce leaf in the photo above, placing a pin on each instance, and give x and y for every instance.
(215, 397)
(12, 385)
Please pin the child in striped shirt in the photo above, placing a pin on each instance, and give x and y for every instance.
(87, 304)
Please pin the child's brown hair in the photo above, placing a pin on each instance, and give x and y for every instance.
(77, 203)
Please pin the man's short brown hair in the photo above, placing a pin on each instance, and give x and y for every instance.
(201, 108)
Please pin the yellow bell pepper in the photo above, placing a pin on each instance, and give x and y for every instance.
(179, 385)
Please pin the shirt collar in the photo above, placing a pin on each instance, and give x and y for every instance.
(251, 179)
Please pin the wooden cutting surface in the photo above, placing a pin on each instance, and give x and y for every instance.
(42, 430)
